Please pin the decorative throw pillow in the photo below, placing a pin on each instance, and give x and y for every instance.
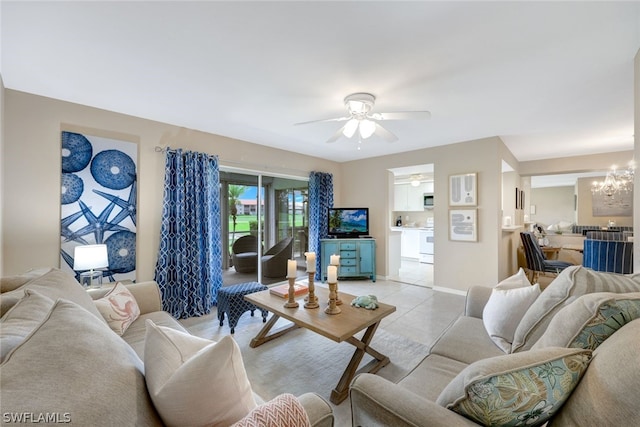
(503, 311)
(516, 389)
(119, 308)
(571, 283)
(22, 319)
(74, 367)
(589, 320)
(518, 280)
(194, 381)
(282, 411)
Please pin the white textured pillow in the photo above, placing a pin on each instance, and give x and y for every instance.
(518, 280)
(503, 312)
(119, 308)
(193, 381)
(508, 303)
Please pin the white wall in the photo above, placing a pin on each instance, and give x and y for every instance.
(458, 265)
(553, 204)
(31, 163)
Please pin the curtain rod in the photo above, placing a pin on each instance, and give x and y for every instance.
(243, 165)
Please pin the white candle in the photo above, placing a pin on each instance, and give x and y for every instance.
(335, 260)
(311, 262)
(332, 274)
(292, 268)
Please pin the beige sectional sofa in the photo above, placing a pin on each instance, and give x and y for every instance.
(601, 387)
(62, 363)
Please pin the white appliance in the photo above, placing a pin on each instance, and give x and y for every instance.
(426, 246)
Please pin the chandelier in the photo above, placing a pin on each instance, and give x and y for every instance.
(616, 185)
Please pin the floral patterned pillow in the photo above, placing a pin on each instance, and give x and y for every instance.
(119, 308)
(524, 388)
(590, 319)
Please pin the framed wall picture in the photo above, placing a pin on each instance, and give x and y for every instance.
(463, 190)
(463, 225)
(98, 202)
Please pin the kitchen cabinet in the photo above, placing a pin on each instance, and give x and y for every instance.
(410, 243)
(409, 198)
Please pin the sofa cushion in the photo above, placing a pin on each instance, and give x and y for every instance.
(504, 310)
(516, 389)
(194, 381)
(21, 320)
(57, 284)
(135, 334)
(10, 283)
(607, 395)
(75, 367)
(589, 320)
(432, 375)
(571, 283)
(464, 334)
(282, 411)
(119, 308)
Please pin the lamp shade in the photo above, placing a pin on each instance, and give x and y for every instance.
(88, 257)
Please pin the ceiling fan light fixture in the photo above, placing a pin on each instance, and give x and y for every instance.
(367, 128)
(350, 128)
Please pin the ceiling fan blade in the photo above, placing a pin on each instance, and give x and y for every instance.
(335, 119)
(402, 115)
(385, 134)
(336, 135)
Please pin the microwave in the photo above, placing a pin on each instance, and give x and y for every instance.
(428, 201)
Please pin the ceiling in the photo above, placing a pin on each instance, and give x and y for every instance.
(552, 79)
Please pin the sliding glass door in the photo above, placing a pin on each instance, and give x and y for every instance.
(259, 212)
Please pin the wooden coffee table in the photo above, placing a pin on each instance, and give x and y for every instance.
(338, 327)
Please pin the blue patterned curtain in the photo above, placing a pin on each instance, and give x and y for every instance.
(189, 266)
(320, 199)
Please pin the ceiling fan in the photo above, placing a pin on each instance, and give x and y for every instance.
(361, 119)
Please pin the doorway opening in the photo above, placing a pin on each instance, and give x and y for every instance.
(411, 240)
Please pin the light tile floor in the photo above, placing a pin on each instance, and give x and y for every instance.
(415, 273)
(421, 315)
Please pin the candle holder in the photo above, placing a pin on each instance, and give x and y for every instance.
(333, 308)
(311, 299)
(292, 303)
(338, 300)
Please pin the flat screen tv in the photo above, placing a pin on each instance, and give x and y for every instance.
(348, 222)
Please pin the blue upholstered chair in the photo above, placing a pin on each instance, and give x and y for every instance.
(536, 261)
(608, 255)
(605, 235)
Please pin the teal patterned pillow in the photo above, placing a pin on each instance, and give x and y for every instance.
(590, 319)
(611, 317)
(517, 389)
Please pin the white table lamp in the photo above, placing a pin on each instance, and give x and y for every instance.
(90, 257)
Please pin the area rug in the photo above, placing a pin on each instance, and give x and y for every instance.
(302, 361)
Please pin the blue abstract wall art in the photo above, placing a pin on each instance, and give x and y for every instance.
(98, 201)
